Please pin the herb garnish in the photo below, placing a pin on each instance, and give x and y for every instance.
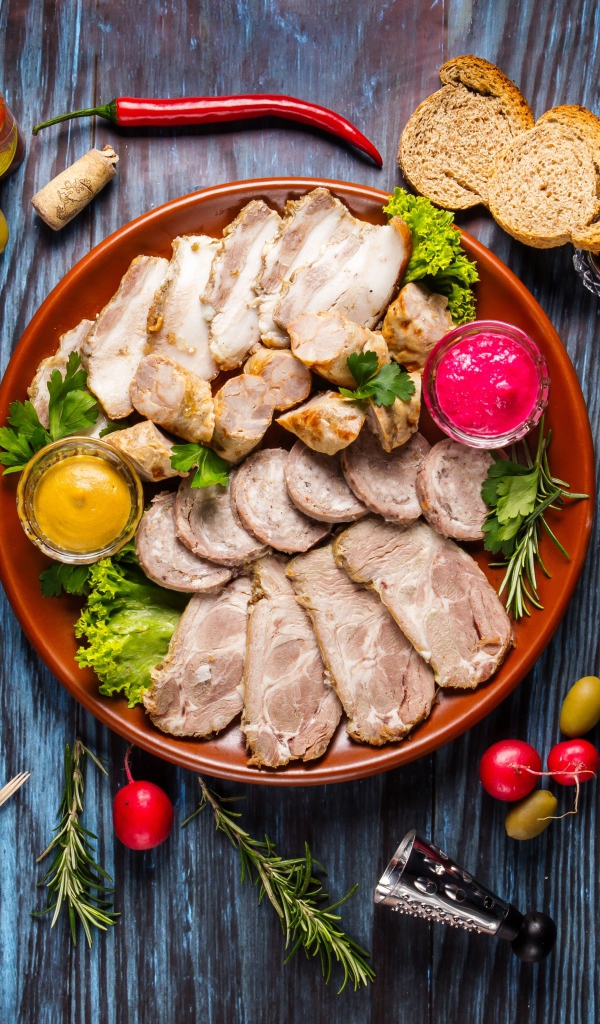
(71, 410)
(210, 467)
(519, 495)
(295, 894)
(70, 578)
(74, 877)
(384, 386)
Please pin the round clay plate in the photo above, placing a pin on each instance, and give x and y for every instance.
(48, 622)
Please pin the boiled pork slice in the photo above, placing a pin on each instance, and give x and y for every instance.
(147, 448)
(326, 423)
(229, 300)
(195, 691)
(166, 393)
(323, 342)
(394, 424)
(385, 687)
(385, 482)
(449, 485)
(69, 342)
(317, 486)
(176, 326)
(261, 502)
(166, 560)
(307, 226)
(290, 709)
(414, 323)
(117, 341)
(288, 379)
(243, 412)
(437, 594)
(205, 523)
(355, 274)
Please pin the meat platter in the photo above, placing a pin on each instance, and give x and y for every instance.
(49, 624)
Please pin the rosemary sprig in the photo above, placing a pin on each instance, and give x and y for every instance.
(74, 877)
(519, 495)
(295, 894)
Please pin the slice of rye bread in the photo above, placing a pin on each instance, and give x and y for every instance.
(545, 186)
(448, 146)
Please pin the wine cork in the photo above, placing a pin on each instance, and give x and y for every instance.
(67, 194)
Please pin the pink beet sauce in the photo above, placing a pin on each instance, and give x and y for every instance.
(487, 384)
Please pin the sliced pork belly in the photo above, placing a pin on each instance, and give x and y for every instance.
(414, 323)
(116, 342)
(243, 412)
(288, 379)
(437, 594)
(37, 391)
(290, 709)
(386, 482)
(205, 523)
(196, 689)
(261, 501)
(307, 226)
(326, 423)
(385, 687)
(355, 274)
(323, 342)
(449, 485)
(229, 300)
(166, 560)
(176, 326)
(394, 424)
(180, 401)
(317, 486)
(147, 448)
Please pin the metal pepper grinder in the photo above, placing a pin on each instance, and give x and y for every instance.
(423, 881)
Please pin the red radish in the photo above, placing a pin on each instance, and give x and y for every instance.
(508, 769)
(142, 813)
(573, 761)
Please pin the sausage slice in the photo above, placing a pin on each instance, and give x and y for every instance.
(317, 486)
(449, 489)
(386, 481)
(205, 523)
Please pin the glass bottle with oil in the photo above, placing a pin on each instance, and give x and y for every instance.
(12, 147)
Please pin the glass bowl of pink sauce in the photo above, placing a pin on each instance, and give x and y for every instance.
(486, 384)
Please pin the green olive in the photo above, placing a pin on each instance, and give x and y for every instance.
(524, 820)
(3, 232)
(581, 707)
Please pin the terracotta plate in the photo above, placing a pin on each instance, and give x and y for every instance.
(48, 623)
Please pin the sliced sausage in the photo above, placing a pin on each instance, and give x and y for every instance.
(394, 424)
(317, 486)
(243, 411)
(414, 323)
(323, 341)
(386, 482)
(166, 560)
(148, 448)
(168, 394)
(288, 379)
(205, 523)
(326, 423)
(261, 500)
(449, 489)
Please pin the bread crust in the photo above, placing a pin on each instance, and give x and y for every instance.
(481, 76)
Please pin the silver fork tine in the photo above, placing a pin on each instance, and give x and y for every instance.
(11, 787)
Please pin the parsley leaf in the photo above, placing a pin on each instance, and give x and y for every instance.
(73, 579)
(70, 409)
(383, 386)
(211, 468)
(18, 450)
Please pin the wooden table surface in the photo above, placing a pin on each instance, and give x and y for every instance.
(192, 944)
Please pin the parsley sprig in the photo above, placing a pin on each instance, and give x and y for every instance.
(71, 410)
(296, 895)
(519, 495)
(383, 385)
(210, 467)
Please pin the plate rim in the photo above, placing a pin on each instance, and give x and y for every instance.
(391, 756)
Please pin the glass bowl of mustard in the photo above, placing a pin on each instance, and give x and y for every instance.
(79, 500)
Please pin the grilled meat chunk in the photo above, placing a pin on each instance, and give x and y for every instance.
(414, 323)
(437, 594)
(449, 489)
(166, 560)
(290, 709)
(323, 342)
(243, 412)
(385, 482)
(385, 687)
(326, 423)
(180, 401)
(288, 379)
(317, 486)
(147, 448)
(393, 425)
(205, 523)
(196, 689)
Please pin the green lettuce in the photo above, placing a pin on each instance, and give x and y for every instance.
(438, 258)
(128, 622)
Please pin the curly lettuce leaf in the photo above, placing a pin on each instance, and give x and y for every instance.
(128, 622)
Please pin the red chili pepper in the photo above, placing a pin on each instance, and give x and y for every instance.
(129, 112)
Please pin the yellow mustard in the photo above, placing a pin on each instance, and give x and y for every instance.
(81, 503)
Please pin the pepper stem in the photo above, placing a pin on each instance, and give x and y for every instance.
(108, 111)
(127, 765)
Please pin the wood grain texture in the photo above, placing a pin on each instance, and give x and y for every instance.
(192, 944)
